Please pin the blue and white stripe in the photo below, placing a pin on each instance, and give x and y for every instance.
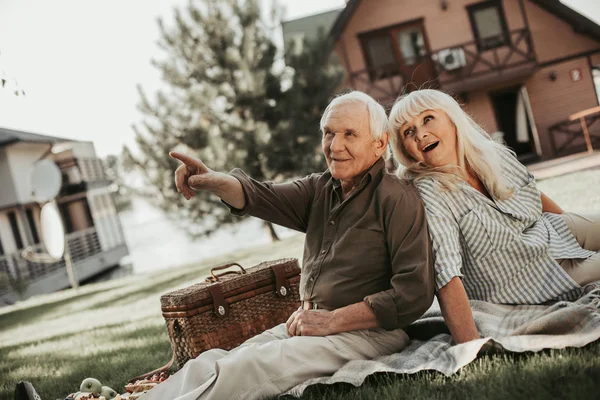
(505, 251)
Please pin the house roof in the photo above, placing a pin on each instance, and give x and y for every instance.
(580, 23)
(9, 136)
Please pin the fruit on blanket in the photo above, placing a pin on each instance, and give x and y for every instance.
(108, 392)
(89, 396)
(91, 385)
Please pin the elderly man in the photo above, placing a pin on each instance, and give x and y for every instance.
(367, 268)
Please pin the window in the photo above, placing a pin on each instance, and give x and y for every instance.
(395, 50)
(32, 226)
(381, 58)
(596, 76)
(489, 25)
(66, 217)
(12, 217)
(412, 45)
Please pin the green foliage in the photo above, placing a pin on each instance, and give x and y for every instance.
(225, 101)
(115, 171)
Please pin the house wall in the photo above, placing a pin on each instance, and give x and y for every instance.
(78, 215)
(443, 28)
(106, 219)
(21, 159)
(8, 195)
(554, 38)
(553, 102)
(6, 235)
(479, 107)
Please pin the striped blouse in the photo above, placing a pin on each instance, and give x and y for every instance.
(505, 251)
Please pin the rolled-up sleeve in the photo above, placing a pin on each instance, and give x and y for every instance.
(445, 238)
(412, 281)
(286, 204)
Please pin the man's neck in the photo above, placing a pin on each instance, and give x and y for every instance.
(350, 185)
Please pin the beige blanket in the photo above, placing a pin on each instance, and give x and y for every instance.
(503, 328)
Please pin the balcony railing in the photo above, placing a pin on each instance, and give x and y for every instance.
(511, 51)
(80, 170)
(82, 244)
(450, 67)
(579, 133)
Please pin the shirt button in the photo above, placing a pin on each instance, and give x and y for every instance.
(331, 222)
(323, 251)
(311, 279)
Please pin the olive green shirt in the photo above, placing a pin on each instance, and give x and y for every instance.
(373, 247)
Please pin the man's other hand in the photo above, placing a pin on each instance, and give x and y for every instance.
(311, 323)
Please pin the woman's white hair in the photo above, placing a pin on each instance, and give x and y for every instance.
(378, 122)
(476, 149)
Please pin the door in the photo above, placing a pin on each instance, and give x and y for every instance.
(513, 122)
(412, 51)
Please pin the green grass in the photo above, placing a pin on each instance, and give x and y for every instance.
(114, 330)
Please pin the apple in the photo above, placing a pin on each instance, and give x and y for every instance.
(108, 393)
(91, 385)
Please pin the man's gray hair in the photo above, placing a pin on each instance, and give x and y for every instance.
(378, 121)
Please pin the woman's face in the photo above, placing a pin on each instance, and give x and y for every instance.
(430, 137)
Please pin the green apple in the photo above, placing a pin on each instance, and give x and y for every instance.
(108, 393)
(91, 385)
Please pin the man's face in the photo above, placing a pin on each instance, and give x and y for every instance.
(430, 137)
(347, 142)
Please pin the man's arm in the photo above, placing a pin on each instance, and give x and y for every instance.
(412, 282)
(286, 204)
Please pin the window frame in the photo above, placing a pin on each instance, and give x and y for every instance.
(391, 32)
(14, 227)
(471, 9)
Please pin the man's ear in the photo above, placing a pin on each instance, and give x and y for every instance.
(381, 144)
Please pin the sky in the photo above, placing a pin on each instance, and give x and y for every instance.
(79, 62)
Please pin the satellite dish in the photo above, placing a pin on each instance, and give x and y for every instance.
(53, 232)
(46, 180)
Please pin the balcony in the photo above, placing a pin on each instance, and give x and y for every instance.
(80, 173)
(474, 65)
(465, 67)
(82, 245)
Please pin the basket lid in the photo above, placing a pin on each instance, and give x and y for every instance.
(255, 277)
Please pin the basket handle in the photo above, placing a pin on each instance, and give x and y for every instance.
(215, 277)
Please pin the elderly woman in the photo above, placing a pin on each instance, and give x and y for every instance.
(495, 236)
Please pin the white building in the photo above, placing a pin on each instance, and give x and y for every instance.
(86, 205)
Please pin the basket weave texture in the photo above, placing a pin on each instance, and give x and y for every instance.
(253, 307)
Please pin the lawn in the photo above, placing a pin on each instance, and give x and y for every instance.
(114, 330)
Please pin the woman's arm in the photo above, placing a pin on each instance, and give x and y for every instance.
(550, 206)
(457, 312)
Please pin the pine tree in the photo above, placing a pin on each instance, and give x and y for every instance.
(224, 104)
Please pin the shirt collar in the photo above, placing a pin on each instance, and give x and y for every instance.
(368, 177)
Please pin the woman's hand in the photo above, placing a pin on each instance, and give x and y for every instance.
(548, 205)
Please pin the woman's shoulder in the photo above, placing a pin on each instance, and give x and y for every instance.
(515, 171)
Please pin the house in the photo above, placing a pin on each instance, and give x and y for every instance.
(522, 68)
(92, 227)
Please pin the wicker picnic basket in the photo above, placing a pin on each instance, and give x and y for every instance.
(230, 307)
